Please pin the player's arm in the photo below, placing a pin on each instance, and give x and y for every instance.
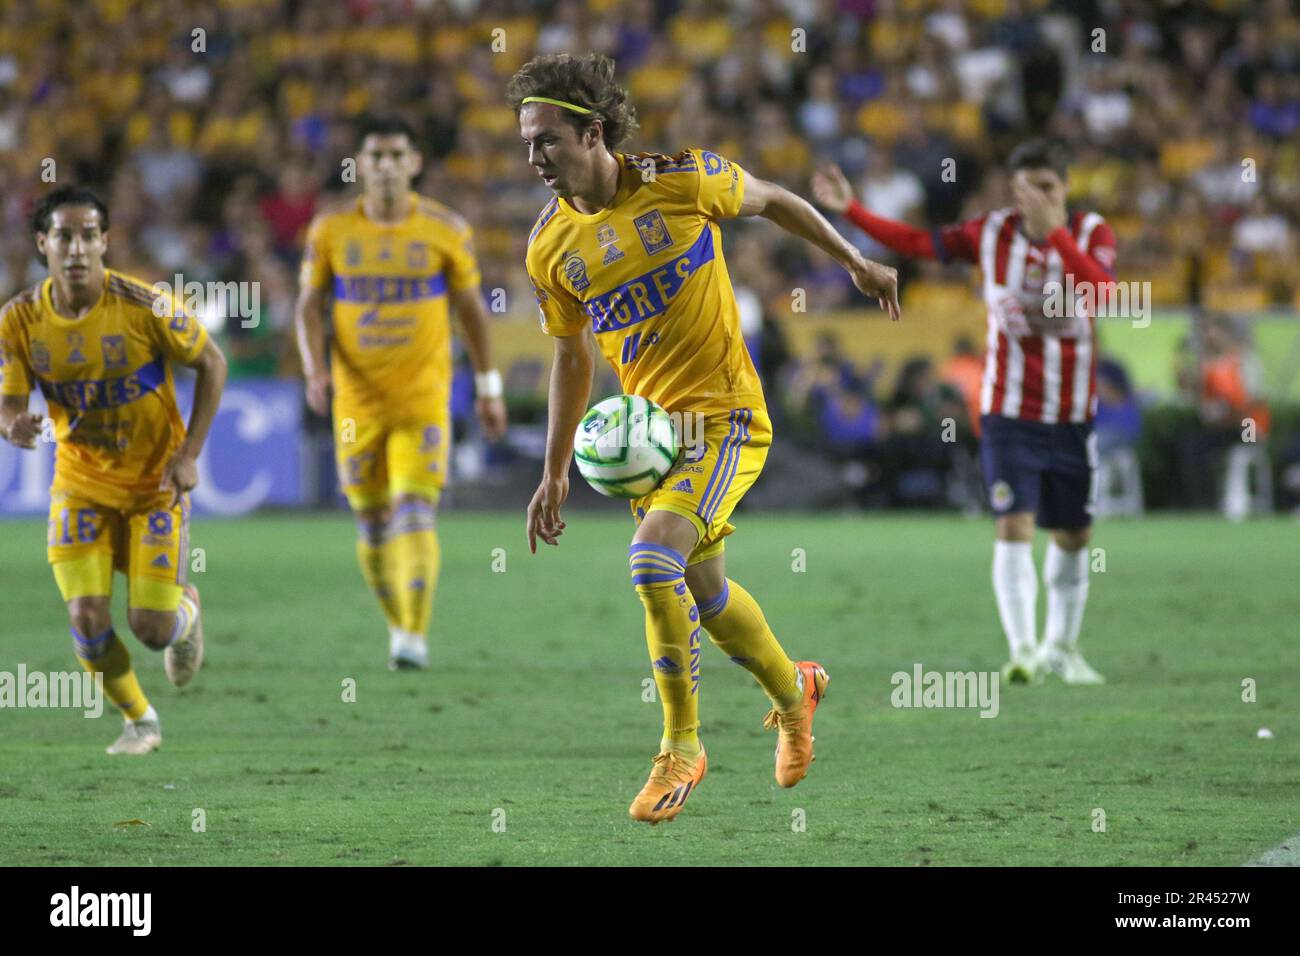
(181, 473)
(309, 318)
(17, 424)
(571, 374)
(468, 312)
(797, 216)
(833, 191)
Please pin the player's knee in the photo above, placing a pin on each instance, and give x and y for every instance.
(412, 513)
(89, 617)
(1016, 527)
(153, 628)
(371, 524)
(1072, 539)
(668, 530)
(655, 567)
(370, 529)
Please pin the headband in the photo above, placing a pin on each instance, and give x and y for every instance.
(561, 103)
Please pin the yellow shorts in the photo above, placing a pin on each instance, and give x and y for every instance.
(380, 460)
(88, 541)
(709, 480)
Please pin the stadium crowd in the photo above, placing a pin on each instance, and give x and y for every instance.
(216, 129)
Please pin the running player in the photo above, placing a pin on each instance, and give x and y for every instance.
(98, 344)
(628, 253)
(1039, 393)
(396, 264)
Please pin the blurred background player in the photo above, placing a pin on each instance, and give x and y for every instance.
(1038, 396)
(395, 264)
(92, 340)
(629, 249)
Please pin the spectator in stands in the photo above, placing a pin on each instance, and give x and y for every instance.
(1232, 407)
(1118, 427)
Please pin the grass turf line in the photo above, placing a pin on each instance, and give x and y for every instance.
(534, 707)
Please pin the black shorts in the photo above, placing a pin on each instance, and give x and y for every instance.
(1047, 469)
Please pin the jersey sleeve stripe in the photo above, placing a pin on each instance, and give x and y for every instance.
(548, 212)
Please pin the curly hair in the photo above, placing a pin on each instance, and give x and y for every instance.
(586, 81)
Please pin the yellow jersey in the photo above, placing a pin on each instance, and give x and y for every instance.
(107, 381)
(647, 275)
(389, 281)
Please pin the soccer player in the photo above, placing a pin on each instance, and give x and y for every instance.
(395, 264)
(1039, 390)
(628, 253)
(98, 344)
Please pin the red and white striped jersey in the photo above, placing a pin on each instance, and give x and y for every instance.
(1036, 367)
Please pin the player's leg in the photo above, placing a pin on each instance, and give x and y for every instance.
(373, 558)
(657, 558)
(1069, 491)
(733, 619)
(736, 626)
(164, 611)
(360, 452)
(1011, 455)
(417, 462)
(81, 550)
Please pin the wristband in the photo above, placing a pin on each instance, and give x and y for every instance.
(488, 384)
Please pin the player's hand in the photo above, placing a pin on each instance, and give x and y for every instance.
(1041, 214)
(544, 519)
(25, 429)
(492, 416)
(880, 282)
(180, 474)
(832, 189)
(318, 393)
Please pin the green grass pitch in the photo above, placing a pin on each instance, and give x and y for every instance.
(529, 736)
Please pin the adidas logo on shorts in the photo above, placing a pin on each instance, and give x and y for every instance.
(684, 485)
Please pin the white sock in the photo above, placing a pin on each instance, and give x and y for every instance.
(1065, 575)
(1015, 585)
(149, 714)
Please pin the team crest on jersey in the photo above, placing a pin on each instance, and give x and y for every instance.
(1001, 497)
(352, 255)
(653, 232)
(160, 524)
(76, 342)
(575, 270)
(417, 255)
(40, 356)
(606, 236)
(114, 347)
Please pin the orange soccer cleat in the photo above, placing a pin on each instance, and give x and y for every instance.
(672, 779)
(794, 744)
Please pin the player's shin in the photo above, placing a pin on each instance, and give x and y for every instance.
(672, 629)
(105, 654)
(1015, 585)
(1065, 575)
(373, 556)
(416, 561)
(737, 627)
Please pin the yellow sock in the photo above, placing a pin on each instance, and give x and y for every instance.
(672, 630)
(107, 655)
(416, 560)
(373, 557)
(736, 625)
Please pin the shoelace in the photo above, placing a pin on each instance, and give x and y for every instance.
(786, 724)
(668, 763)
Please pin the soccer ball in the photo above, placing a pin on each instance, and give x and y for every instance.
(625, 445)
